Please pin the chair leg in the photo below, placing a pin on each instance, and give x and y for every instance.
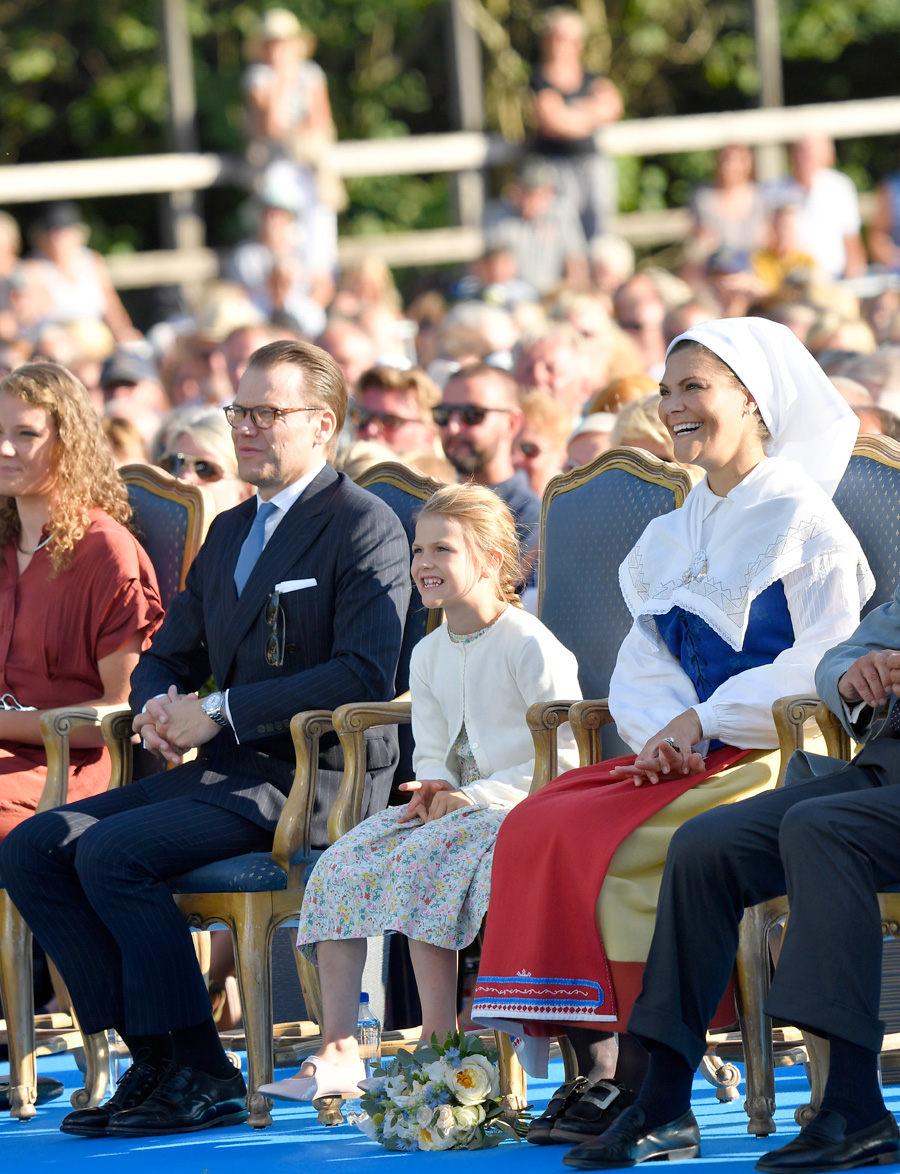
(60, 990)
(751, 972)
(253, 964)
(17, 992)
(94, 1048)
(819, 1051)
(569, 1057)
(96, 1071)
(513, 1081)
(203, 949)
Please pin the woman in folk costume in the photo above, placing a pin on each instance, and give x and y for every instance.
(735, 598)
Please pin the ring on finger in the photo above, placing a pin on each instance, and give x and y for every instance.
(671, 742)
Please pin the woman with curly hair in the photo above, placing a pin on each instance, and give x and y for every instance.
(78, 595)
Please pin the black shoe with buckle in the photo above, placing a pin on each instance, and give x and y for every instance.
(185, 1101)
(137, 1083)
(565, 1097)
(629, 1141)
(825, 1145)
(594, 1112)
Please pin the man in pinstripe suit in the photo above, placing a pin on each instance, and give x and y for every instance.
(296, 601)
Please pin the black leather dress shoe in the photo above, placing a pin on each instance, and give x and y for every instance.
(564, 1098)
(47, 1090)
(629, 1141)
(824, 1144)
(593, 1113)
(137, 1083)
(185, 1101)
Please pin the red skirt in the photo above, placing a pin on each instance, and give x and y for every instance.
(543, 965)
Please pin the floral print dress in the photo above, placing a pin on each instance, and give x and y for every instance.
(430, 881)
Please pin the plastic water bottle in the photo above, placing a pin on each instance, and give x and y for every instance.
(368, 1034)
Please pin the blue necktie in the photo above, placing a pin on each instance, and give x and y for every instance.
(894, 719)
(253, 545)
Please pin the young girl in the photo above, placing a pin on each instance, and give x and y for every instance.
(424, 870)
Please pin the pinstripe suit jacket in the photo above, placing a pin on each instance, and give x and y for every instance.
(342, 641)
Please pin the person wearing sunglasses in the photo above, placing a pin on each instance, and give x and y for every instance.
(394, 407)
(479, 417)
(295, 601)
(195, 445)
(539, 450)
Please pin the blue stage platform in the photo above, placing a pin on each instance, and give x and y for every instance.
(295, 1142)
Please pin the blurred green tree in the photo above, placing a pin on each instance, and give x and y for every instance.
(84, 78)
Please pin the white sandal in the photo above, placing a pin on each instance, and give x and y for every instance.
(329, 1080)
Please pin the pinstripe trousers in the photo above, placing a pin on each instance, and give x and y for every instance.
(90, 881)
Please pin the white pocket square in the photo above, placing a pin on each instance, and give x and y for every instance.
(289, 585)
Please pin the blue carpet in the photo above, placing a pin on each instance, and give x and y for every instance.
(297, 1142)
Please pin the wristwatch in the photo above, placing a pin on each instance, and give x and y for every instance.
(213, 707)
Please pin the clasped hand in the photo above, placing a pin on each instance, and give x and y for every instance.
(432, 798)
(660, 759)
(174, 724)
(873, 678)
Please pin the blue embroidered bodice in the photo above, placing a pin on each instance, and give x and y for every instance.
(705, 656)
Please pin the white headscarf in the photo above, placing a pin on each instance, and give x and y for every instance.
(809, 421)
(715, 555)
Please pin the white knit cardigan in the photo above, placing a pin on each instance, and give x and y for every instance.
(489, 684)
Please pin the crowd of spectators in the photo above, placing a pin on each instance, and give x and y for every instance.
(548, 350)
(554, 300)
(577, 330)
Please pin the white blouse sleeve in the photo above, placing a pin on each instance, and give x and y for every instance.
(647, 689)
(823, 600)
(429, 724)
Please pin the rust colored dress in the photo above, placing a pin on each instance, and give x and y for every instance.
(54, 628)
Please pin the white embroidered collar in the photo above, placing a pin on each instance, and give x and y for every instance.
(713, 556)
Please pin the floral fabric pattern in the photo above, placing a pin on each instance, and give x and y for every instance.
(430, 881)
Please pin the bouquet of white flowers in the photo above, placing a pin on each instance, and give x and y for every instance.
(442, 1097)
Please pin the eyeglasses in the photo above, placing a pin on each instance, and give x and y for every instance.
(469, 414)
(176, 462)
(263, 416)
(362, 417)
(275, 620)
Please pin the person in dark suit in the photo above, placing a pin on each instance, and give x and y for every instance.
(295, 601)
(829, 840)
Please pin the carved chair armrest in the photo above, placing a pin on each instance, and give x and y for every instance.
(588, 718)
(351, 722)
(791, 714)
(544, 719)
(292, 831)
(837, 740)
(117, 734)
(56, 726)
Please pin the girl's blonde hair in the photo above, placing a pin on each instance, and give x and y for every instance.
(86, 476)
(488, 525)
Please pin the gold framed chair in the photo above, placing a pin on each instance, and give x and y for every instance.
(170, 518)
(591, 517)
